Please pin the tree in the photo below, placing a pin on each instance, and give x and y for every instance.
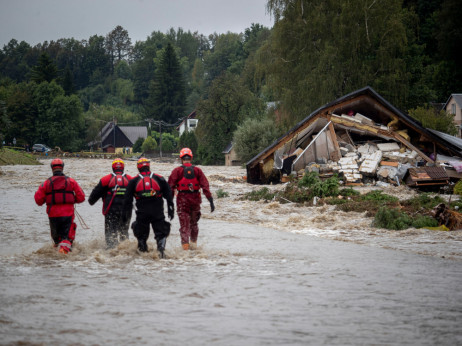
(167, 92)
(321, 50)
(149, 144)
(252, 136)
(45, 70)
(137, 147)
(68, 84)
(227, 54)
(228, 104)
(118, 44)
(433, 119)
(188, 140)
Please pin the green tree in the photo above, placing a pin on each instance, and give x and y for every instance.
(167, 92)
(252, 136)
(321, 50)
(45, 70)
(118, 44)
(137, 147)
(68, 83)
(188, 140)
(432, 119)
(21, 111)
(149, 144)
(228, 104)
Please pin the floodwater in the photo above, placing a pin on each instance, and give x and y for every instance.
(264, 273)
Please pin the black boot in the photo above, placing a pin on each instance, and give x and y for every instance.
(161, 246)
(142, 246)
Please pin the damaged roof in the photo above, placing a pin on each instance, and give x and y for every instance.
(378, 112)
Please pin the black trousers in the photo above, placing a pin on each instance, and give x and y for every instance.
(141, 228)
(60, 228)
(115, 230)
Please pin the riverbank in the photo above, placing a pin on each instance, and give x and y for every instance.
(13, 157)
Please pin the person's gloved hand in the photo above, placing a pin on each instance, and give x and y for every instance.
(212, 206)
(170, 211)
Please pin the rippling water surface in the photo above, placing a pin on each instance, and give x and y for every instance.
(247, 284)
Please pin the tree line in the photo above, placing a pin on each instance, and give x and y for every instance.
(62, 92)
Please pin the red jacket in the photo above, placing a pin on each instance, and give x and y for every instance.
(59, 209)
(177, 175)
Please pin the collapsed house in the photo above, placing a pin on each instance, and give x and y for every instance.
(363, 138)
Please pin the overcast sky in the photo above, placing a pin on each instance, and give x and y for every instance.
(36, 21)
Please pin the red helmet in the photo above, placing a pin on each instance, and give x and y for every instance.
(118, 165)
(186, 152)
(142, 162)
(57, 164)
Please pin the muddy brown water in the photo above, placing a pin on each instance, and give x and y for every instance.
(264, 273)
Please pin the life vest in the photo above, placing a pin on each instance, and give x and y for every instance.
(147, 187)
(59, 191)
(117, 185)
(116, 188)
(189, 182)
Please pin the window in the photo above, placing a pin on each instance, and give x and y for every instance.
(453, 109)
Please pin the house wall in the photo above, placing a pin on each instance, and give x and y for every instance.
(453, 108)
(189, 123)
(231, 159)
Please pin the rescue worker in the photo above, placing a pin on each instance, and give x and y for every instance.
(111, 189)
(188, 180)
(149, 190)
(60, 193)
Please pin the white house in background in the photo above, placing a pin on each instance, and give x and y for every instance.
(189, 123)
(454, 106)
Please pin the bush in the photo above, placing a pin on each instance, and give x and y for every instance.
(392, 218)
(423, 201)
(149, 144)
(458, 188)
(252, 136)
(137, 147)
(348, 192)
(262, 194)
(221, 193)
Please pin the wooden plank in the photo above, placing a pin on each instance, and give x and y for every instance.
(409, 145)
(333, 136)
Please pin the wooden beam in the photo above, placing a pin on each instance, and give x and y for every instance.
(409, 145)
(334, 138)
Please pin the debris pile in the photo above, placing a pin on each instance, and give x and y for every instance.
(373, 159)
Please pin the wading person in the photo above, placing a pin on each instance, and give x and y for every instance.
(188, 180)
(111, 189)
(149, 190)
(60, 193)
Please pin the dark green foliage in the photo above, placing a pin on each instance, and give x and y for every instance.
(349, 191)
(318, 187)
(391, 218)
(188, 140)
(262, 194)
(221, 193)
(422, 201)
(252, 136)
(310, 186)
(228, 104)
(432, 119)
(45, 70)
(378, 196)
(138, 144)
(167, 90)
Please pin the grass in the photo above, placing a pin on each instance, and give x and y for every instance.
(222, 194)
(13, 157)
(262, 194)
